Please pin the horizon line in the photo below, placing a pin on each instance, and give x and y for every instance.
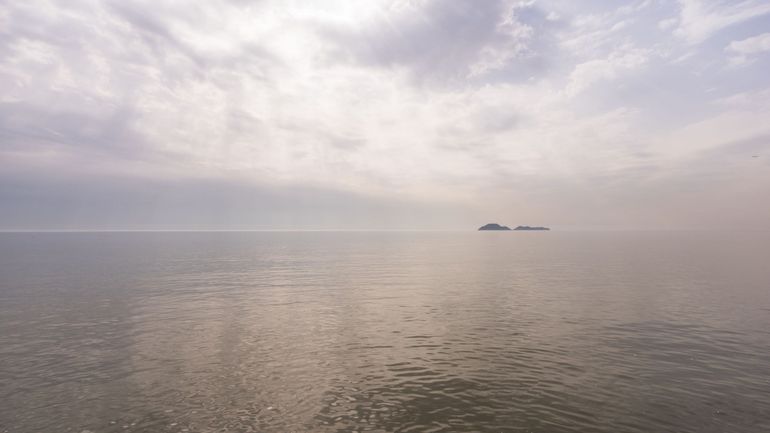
(284, 230)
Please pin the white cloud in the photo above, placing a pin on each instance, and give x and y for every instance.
(602, 70)
(699, 19)
(744, 51)
(752, 45)
(667, 23)
(592, 35)
(382, 99)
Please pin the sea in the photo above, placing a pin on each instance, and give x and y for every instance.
(385, 331)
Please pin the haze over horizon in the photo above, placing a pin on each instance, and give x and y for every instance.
(232, 114)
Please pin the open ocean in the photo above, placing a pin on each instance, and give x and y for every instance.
(385, 332)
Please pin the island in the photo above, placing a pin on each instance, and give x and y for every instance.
(531, 228)
(493, 226)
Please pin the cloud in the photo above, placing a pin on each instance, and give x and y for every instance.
(593, 34)
(139, 114)
(699, 19)
(745, 50)
(752, 45)
(667, 23)
(446, 42)
(602, 70)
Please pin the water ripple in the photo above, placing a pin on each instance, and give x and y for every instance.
(381, 332)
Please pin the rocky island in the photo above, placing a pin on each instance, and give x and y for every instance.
(493, 226)
(531, 228)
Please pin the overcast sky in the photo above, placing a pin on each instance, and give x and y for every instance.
(265, 114)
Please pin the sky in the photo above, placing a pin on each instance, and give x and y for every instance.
(384, 114)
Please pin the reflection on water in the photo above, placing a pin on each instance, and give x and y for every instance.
(320, 331)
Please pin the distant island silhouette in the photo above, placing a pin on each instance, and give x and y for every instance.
(493, 226)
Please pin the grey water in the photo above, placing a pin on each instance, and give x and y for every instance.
(385, 331)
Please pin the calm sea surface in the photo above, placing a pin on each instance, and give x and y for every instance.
(385, 331)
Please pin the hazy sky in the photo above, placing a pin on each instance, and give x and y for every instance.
(384, 114)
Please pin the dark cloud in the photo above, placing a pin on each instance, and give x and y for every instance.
(444, 42)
